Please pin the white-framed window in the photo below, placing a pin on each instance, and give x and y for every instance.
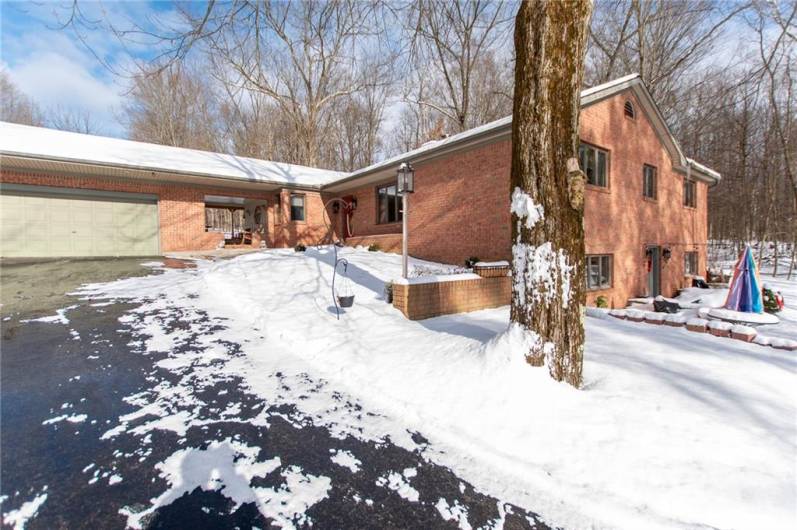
(297, 207)
(649, 181)
(595, 164)
(599, 271)
(690, 193)
(690, 263)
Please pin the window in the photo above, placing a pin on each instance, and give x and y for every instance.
(599, 272)
(594, 164)
(297, 207)
(649, 181)
(690, 193)
(690, 263)
(388, 203)
(629, 110)
(224, 219)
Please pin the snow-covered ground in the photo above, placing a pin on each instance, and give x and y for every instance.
(671, 430)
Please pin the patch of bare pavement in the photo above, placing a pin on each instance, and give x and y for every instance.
(76, 443)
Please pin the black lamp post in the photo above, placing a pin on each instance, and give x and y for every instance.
(406, 178)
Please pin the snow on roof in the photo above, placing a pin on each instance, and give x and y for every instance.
(619, 84)
(704, 169)
(39, 142)
(609, 84)
(434, 145)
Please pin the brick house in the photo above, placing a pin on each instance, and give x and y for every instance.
(645, 216)
(646, 205)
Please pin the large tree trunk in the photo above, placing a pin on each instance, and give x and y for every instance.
(548, 292)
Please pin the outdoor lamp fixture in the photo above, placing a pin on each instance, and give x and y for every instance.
(405, 186)
(666, 253)
(406, 178)
(353, 203)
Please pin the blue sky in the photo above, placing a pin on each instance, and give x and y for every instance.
(56, 69)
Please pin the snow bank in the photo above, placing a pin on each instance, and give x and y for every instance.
(18, 518)
(347, 460)
(676, 318)
(58, 318)
(399, 482)
(437, 278)
(720, 325)
(502, 263)
(652, 316)
(671, 430)
(231, 466)
(694, 296)
(739, 317)
(64, 145)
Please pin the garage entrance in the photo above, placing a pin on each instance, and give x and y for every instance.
(40, 221)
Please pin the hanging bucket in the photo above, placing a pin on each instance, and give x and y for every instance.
(346, 301)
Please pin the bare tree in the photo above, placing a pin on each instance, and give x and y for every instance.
(305, 56)
(416, 123)
(254, 126)
(173, 106)
(15, 106)
(355, 129)
(72, 119)
(778, 60)
(548, 188)
(662, 40)
(456, 42)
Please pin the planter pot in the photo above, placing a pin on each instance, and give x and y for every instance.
(346, 301)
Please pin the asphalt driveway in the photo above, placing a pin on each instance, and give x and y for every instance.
(65, 384)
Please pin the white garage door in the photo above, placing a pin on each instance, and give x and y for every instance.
(59, 222)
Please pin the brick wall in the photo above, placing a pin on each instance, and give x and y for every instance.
(621, 222)
(459, 209)
(285, 233)
(461, 205)
(182, 209)
(425, 300)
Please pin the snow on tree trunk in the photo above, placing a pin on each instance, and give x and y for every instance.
(547, 194)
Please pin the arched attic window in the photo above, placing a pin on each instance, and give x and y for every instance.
(629, 110)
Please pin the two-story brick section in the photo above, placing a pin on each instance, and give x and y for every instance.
(66, 194)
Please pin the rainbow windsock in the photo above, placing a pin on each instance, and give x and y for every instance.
(745, 292)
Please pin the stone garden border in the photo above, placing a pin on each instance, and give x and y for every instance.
(718, 328)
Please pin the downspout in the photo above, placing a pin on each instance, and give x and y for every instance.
(689, 178)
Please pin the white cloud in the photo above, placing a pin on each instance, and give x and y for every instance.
(50, 68)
